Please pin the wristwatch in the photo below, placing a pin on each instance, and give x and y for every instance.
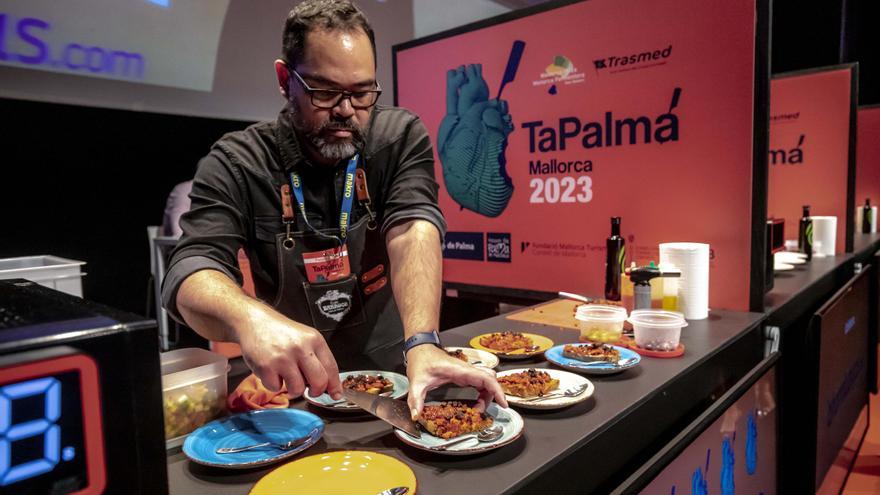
(420, 338)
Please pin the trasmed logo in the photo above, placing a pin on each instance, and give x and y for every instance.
(641, 60)
(560, 71)
(498, 247)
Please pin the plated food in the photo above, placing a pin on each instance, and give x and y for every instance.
(371, 384)
(510, 422)
(386, 383)
(507, 341)
(472, 356)
(590, 353)
(451, 419)
(627, 358)
(512, 345)
(571, 389)
(528, 383)
(457, 354)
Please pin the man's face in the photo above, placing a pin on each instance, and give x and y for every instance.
(333, 60)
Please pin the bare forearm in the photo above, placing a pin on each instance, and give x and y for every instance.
(215, 307)
(416, 273)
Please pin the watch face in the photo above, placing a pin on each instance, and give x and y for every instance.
(51, 438)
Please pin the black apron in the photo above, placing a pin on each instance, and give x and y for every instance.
(357, 315)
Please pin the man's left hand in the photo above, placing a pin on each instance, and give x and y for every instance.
(430, 367)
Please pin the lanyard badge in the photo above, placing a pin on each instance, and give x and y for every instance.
(329, 264)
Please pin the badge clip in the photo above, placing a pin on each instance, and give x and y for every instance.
(287, 215)
(363, 195)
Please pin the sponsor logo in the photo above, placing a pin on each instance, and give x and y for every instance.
(561, 71)
(498, 247)
(463, 246)
(641, 60)
(334, 304)
(784, 118)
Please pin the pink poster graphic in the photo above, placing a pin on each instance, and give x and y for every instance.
(868, 156)
(546, 126)
(809, 148)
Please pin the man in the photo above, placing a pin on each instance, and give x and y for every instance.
(331, 201)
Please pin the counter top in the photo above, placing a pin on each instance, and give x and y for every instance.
(629, 417)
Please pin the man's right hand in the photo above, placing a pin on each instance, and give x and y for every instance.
(277, 349)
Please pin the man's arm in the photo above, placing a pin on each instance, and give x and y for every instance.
(416, 273)
(273, 346)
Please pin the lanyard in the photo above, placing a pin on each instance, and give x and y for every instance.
(347, 198)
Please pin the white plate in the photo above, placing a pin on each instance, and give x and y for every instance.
(401, 387)
(566, 380)
(510, 421)
(790, 258)
(782, 267)
(477, 357)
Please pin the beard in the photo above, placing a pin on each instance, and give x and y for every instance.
(327, 145)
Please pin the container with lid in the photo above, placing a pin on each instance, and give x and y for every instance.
(601, 323)
(193, 390)
(657, 330)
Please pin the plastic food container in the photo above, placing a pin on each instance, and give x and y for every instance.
(602, 323)
(657, 330)
(193, 390)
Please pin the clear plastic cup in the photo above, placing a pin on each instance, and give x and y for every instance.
(602, 323)
(657, 330)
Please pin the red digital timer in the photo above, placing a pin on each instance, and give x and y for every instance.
(51, 436)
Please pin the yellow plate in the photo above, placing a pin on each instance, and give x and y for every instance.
(349, 472)
(542, 343)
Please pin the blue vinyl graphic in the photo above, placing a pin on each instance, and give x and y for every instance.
(727, 464)
(751, 444)
(473, 138)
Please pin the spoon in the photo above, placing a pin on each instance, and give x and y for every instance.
(619, 364)
(569, 392)
(484, 435)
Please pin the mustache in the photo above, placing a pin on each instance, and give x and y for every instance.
(341, 126)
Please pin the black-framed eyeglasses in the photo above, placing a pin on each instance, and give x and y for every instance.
(329, 98)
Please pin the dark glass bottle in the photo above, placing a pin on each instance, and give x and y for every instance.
(805, 234)
(867, 213)
(614, 261)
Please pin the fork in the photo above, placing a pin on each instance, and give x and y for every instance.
(569, 392)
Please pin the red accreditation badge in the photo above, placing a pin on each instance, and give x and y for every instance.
(327, 265)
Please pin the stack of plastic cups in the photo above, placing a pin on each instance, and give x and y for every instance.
(824, 236)
(692, 259)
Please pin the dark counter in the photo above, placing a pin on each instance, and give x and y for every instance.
(596, 442)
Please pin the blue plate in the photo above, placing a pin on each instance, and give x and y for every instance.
(554, 355)
(269, 425)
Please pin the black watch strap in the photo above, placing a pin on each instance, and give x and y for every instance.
(420, 338)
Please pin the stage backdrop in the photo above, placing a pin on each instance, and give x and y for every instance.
(637, 109)
(868, 156)
(812, 153)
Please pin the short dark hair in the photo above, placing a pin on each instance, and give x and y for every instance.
(329, 15)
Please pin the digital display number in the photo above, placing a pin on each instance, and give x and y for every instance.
(50, 428)
(45, 427)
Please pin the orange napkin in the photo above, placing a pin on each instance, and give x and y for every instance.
(251, 394)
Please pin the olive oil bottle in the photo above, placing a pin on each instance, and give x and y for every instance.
(614, 261)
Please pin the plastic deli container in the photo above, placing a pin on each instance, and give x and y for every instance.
(193, 390)
(602, 323)
(657, 330)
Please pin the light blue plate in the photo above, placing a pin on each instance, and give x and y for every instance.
(554, 355)
(269, 425)
(400, 382)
